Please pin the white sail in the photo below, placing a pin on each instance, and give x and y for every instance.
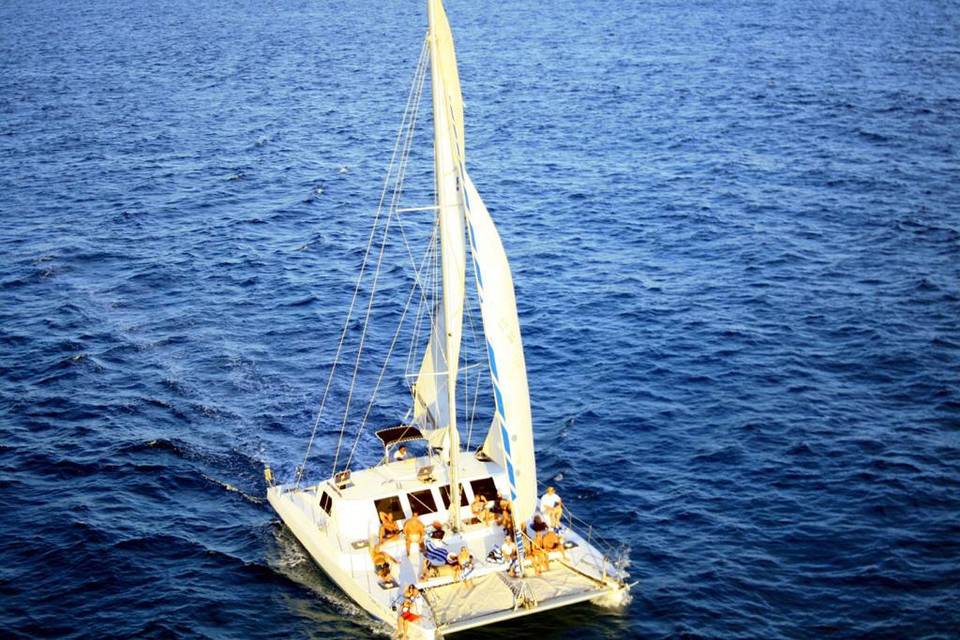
(510, 439)
(435, 387)
(430, 409)
(448, 159)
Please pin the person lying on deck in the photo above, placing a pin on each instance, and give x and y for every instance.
(506, 512)
(508, 528)
(537, 526)
(437, 561)
(414, 531)
(497, 508)
(388, 528)
(381, 562)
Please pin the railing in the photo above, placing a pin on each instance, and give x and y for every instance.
(612, 553)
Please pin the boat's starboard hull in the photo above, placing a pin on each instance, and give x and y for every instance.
(491, 596)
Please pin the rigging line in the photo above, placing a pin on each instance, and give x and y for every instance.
(423, 302)
(403, 234)
(363, 337)
(383, 371)
(414, 335)
(471, 418)
(421, 62)
(464, 368)
(473, 330)
(398, 189)
(466, 382)
(408, 125)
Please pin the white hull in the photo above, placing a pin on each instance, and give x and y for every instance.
(337, 545)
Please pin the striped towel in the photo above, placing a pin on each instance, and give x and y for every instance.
(436, 553)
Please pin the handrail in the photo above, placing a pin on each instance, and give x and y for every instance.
(609, 550)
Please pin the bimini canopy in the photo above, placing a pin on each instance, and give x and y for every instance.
(396, 435)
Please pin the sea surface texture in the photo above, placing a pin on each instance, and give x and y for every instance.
(734, 229)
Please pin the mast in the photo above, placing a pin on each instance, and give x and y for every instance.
(447, 155)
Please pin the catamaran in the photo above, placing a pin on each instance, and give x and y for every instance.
(480, 502)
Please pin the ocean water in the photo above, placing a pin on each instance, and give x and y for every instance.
(735, 235)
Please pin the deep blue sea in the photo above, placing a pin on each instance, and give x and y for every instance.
(735, 234)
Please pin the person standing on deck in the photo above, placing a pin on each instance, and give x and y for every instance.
(414, 531)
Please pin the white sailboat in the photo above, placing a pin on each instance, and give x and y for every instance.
(337, 519)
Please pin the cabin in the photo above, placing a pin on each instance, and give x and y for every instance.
(351, 503)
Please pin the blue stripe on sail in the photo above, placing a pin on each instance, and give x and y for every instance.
(473, 243)
(493, 360)
(496, 392)
(506, 439)
(466, 198)
(513, 481)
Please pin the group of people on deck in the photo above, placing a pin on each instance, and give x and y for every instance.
(541, 537)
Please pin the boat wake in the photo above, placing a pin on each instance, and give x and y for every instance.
(233, 489)
(293, 563)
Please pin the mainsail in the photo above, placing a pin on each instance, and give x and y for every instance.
(434, 401)
(438, 372)
(510, 438)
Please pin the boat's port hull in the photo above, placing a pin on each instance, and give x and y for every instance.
(323, 553)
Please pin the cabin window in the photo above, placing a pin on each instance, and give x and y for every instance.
(326, 503)
(391, 506)
(422, 502)
(445, 496)
(484, 487)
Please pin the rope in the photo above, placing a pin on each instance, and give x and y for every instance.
(473, 331)
(476, 390)
(346, 325)
(398, 189)
(383, 371)
(423, 307)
